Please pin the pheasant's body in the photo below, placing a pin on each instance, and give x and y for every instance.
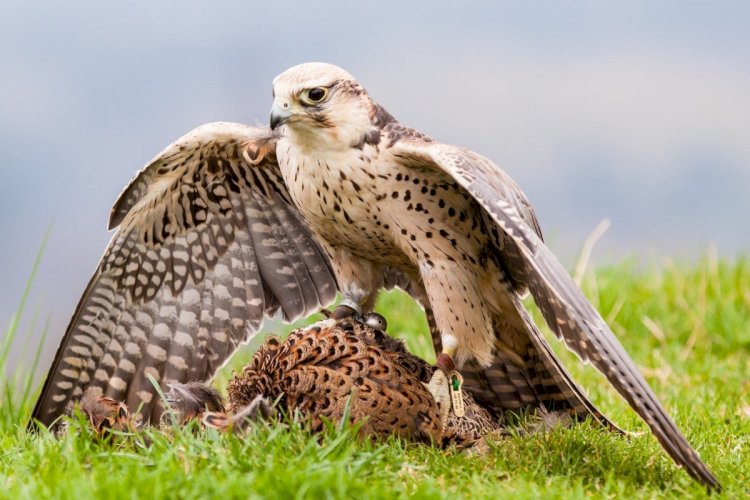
(333, 369)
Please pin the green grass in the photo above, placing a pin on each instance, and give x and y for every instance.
(687, 327)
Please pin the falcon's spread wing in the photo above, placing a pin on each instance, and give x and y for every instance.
(208, 245)
(531, 264)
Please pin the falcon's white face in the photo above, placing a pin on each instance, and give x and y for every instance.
(320, 104)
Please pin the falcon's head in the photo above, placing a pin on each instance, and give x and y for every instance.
(322, 104)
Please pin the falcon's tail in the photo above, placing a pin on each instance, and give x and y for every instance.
(531, 380)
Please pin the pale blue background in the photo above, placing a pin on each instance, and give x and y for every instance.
(637, 110)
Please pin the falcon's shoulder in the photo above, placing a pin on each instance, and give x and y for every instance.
(414, 147)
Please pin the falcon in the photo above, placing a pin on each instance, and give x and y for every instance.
(231, 224)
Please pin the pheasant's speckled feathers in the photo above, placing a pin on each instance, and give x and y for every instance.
(333, 367)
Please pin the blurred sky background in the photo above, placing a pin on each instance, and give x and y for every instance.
(637, 111)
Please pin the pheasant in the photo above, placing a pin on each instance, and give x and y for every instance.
(336, 369)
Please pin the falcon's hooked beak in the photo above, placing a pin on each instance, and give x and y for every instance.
(279, 116)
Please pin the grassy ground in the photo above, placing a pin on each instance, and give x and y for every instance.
(687, 328)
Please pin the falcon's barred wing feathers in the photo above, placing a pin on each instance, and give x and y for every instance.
(208, 244)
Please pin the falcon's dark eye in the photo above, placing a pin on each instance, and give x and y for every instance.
(317, 95)
(314, 96)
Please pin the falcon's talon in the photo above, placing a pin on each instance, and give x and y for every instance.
(376, 321)
(326, 312)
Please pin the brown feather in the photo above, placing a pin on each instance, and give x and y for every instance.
(333, 369)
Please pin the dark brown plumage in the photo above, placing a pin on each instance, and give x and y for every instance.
(335, 368)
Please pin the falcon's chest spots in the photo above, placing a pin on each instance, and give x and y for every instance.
(334, 192)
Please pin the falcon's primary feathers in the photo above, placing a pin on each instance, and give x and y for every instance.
(232, 223)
